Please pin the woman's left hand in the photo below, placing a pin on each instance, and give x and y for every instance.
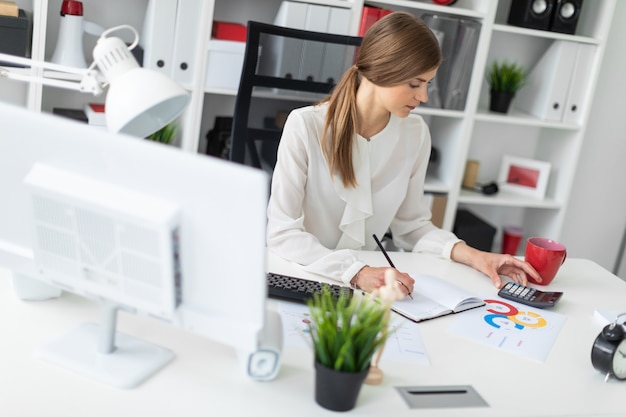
(495, 264)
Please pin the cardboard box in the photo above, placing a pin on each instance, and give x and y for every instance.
(438, 209)
(15, 35)
(225, 63)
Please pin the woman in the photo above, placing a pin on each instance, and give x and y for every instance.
(354, 165)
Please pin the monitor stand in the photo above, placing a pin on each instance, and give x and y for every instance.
(99, 352)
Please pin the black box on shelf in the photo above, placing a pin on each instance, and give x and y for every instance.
(15, 35)
(473, 230)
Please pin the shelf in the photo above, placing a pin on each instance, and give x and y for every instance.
(428, 111)
(435, 185)
(507, 199)
(313, 98)
(429, 6)
(273, 95)
(517, 117)
(221, 91)
(544, 34)
(346, 4)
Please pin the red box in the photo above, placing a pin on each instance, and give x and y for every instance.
(229, 31)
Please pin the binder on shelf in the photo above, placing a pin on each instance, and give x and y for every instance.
(458, 40)
(312, 52)
(461, 69)
(579, 85)
(285, 53)
(549, 81)
(448, 26)
(307, 59)
(434, 93)
(186, 33)
(336, 56)
(158, 36)
(369, 16)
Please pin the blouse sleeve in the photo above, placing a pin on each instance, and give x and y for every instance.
(286, 234)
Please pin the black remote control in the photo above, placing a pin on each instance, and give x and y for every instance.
(529, 296)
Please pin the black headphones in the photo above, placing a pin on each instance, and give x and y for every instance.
(489, 188)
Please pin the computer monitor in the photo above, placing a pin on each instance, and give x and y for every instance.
(133, 225)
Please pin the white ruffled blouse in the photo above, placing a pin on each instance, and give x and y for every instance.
(316, 222)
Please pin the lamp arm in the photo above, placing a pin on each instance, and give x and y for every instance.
(56, 77)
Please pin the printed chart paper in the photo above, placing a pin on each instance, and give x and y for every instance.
(403, 345)
(511, 326)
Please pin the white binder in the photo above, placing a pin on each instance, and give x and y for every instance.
(312, 52)
(286, 53)
(157, 38)
(187, 29)
(577, 98)
(546, 92)
(335, 59)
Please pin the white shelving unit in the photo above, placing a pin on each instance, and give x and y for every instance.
(45, 20)
(459, 135)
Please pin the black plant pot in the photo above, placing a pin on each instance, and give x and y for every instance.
(335, 390)
(500, 101)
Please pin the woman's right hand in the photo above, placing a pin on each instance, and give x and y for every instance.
(370, 278)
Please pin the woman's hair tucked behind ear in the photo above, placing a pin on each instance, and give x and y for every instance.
(395, 50)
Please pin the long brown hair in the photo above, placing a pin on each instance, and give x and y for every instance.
(395, 50)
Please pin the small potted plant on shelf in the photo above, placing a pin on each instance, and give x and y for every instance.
(165, 135)
(346, 333)
(505, 79)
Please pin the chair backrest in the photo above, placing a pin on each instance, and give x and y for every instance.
(289, 66)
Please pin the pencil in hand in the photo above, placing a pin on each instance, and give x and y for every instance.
(382, 249)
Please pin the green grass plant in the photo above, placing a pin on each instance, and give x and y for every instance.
(346, 332)
(166, 134)
(507, 77)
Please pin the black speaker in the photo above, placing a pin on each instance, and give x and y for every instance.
(565, 16)
(532, 14)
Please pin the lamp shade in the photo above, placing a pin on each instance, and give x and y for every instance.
(142, 101)
(139, 101)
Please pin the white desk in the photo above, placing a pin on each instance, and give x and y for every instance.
(204, 379)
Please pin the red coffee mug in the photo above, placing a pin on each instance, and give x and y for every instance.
(546, 256)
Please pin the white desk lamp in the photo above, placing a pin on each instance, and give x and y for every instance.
(139, 101)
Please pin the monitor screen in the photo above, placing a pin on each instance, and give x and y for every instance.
(133, 224)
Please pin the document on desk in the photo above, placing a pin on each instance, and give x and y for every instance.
(435, 297)
(403, 345)
(511, 326)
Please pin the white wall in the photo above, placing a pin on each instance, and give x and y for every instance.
(596, 215)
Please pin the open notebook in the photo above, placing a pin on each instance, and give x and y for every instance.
(435, 297)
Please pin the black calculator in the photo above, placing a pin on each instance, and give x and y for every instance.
(529, 296)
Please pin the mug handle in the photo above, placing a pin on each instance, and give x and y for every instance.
(564, 257)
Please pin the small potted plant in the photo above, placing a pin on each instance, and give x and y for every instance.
(505, 79)
(165, 135)
(346, 332)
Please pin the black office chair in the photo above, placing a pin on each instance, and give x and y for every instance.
(281, 63)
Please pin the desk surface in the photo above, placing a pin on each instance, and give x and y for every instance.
(205, 379)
